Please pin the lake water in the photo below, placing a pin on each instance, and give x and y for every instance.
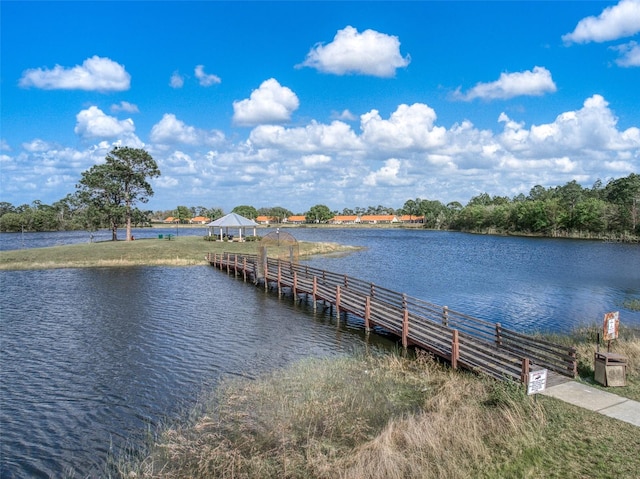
(92, 358)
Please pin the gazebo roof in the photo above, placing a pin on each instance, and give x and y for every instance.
(233, 220)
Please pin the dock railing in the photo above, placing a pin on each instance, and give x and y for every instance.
(461, 339)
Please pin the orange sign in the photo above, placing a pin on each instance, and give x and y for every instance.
(611, 324)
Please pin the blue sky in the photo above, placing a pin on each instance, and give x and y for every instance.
(340, 103)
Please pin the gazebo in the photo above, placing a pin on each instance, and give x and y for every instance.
(231, 221)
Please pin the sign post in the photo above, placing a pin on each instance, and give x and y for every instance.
(610, 328)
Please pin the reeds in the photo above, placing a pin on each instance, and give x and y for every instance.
(363, 417)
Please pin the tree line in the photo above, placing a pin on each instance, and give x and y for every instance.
(108, 196)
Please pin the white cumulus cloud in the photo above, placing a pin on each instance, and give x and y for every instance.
(206, 79)
(178, 163)
(95, 73)
(337, 136)
(315, 161)
(124, 106)
(387, 175)
(619, 21)
(176, 80)
(409, 127)
(591, 130)
(169, 130)
(37, 146)
(629, 54)
(94, 123)
(366, 53)
(528, 83)
(270, 103)
(345, 115)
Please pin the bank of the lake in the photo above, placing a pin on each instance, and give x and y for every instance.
(177, 251)
(389, 417)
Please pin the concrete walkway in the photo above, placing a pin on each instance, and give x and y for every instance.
(594, 399)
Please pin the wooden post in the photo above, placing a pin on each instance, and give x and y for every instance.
(266, 270)
(445, 316)
(314, 292)
(295, 285)
(405, 322)
(228, 263)
(338, 302)
(367, 314)
(455, 349)
(405, 328)
(244, 268)
(279, 279)
(524, 375)
(235, 264)
(498, 334)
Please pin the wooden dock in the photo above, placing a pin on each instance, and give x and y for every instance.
(461, 339)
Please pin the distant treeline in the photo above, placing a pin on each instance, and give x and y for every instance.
(602, 211)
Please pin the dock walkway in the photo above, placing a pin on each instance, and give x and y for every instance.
(461, 339)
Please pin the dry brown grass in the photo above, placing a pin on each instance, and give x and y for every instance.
(464, 427)
(387, 418)
(351, 418)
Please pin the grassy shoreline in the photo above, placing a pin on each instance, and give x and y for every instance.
(385, 417)
(181, 251)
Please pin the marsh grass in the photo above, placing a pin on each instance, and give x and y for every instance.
(182, 251)
(386, 417)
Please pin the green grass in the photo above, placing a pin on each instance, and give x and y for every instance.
(181, 251)
(386, 417)
(632, 304)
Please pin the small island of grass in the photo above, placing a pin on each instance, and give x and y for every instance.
(181, 251)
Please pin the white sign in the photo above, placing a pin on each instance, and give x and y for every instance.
(537, 381)
(611, 325)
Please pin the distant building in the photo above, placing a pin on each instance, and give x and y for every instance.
(295, 220)
(412, 219)
(379, 219)
(344, 220)
(199, 220)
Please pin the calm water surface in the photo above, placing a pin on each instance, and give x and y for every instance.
(91, 358)
(528, 284)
